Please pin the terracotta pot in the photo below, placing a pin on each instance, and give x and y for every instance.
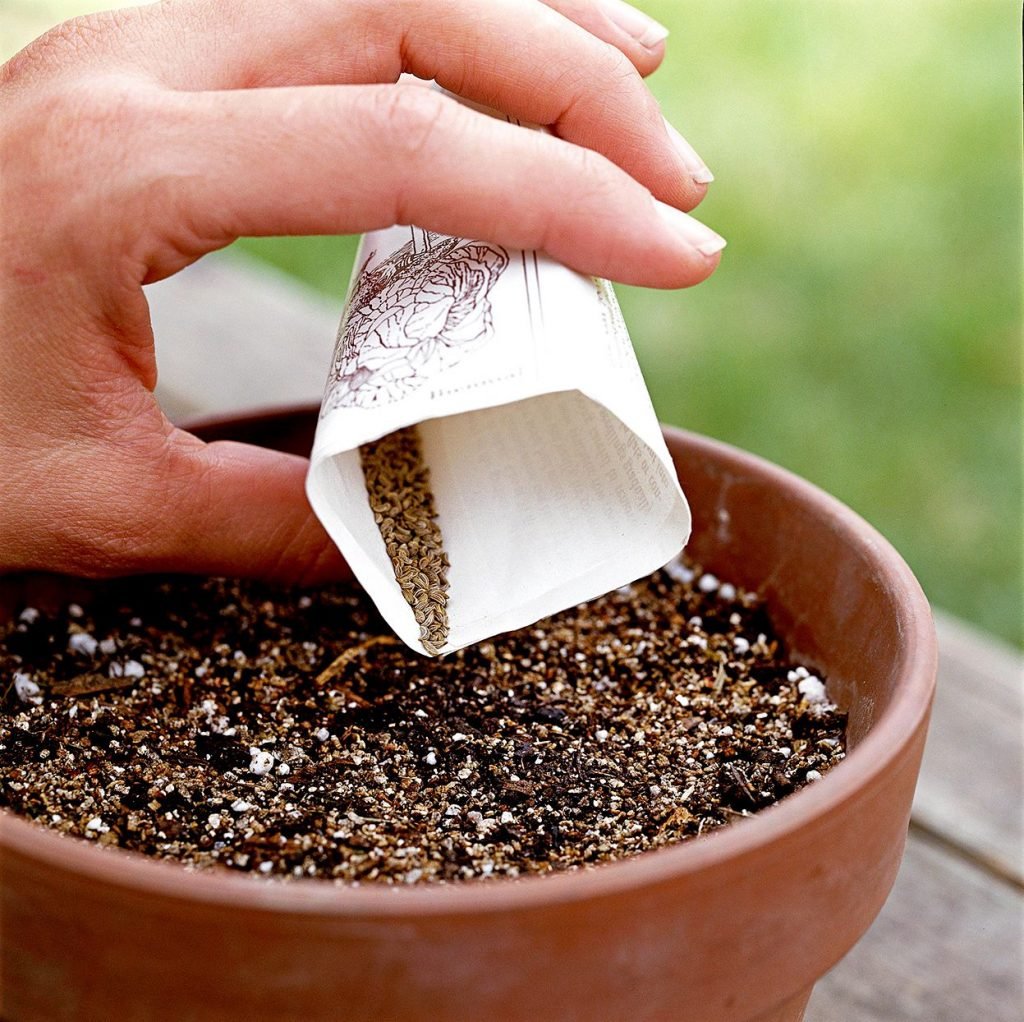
(737, 925)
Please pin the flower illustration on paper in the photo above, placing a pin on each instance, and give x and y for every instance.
(418, 312)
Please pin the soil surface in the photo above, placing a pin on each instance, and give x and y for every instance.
(288, 733)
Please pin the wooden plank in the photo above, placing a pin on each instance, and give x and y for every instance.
(971, 789)
(233, 334)
(947, 947)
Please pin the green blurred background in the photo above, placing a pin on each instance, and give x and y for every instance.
(864, 328)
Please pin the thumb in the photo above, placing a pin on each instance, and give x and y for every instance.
(239, 510)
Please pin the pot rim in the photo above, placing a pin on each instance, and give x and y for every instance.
(872, 757)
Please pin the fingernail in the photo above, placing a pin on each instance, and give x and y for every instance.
(692, 231)
(697, 168)
(642, 27)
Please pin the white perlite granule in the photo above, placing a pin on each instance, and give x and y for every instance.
(262, 762)
(28, 691)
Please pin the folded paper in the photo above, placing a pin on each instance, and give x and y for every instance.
(550, 477)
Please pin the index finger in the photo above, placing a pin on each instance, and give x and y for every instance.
(519, 56)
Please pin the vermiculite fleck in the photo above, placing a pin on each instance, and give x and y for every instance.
(398, 487)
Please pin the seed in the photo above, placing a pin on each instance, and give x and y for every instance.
(398, 490)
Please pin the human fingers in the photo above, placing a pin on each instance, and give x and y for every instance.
(326, 160)
(533, 62)
(98, 483)
(158, 499)
(234, 509)
(620, 24)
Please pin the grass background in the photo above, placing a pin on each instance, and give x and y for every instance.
(864, 328)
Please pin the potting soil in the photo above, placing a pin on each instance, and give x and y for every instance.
(286, 733)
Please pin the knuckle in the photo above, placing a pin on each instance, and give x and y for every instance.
(68, 137)
(63, 46)
(621, 77)
(410, 116)
(596, 194)
(619, 69)
(66, 127)
(83, 33)
(117, 521)
(110, 110)
(598, 180)
(88, 143)
(597, 88)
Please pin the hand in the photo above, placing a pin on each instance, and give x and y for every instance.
(136, 141)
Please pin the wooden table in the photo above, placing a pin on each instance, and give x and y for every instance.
(949, 944)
